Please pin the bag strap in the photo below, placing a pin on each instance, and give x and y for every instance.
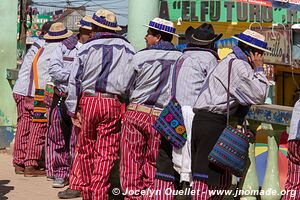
(228, 90)
(34, 67)
(176, 70)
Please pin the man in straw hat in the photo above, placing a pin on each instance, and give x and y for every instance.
(147, 82)
(56, 33)
(248, 85)
(94, 105)
(23, 95)
(60, 131)
(198, 60)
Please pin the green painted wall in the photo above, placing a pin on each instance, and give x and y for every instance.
(8, 55)
(140, 12)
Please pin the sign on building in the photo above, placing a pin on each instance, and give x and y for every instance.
(35, 27)
(279, 43)
(228, 11)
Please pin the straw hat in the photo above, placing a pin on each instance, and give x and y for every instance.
(58, 31)
(85, 23)
(253, 39)
(203, 35)
(106, 19)
(162, 25)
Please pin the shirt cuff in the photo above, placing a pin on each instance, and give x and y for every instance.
(258, 69)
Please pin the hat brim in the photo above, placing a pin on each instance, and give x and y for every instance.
(49, 37)
(190, 39)
(162, 30)
(252, 45)
(118, 28)
(85, 27)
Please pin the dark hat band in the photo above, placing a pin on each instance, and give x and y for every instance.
(103, 21)
(59, 33)
(162, 27)
(253, 40)
(85, 23)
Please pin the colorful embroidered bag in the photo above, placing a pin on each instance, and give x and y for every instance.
(170, 123)
(39, 109)
(231, 150)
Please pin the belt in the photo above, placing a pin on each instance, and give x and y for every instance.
(144, 109)
(60, 93)
(108, 95)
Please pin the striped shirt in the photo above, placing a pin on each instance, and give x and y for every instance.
(247, 86)
(294, 133)
(195, 66)
(61, 65)
(97, 66)
(148, 76)
(24, 83)
(43, 64)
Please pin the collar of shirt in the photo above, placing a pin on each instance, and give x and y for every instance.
(162, 45)
(103, 35)
(239, 53)
(71, 42)
(202, 49)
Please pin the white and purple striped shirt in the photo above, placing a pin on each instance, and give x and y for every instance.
(61, 63)
(24, 83)
(247, 86)
(148, 76)
(96, 68)
(195, 64)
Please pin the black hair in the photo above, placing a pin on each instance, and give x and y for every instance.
(208, 46)
(53, 41)
(46, 26)
(163, 36)
(96, 28)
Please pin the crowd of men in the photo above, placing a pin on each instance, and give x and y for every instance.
(85, 80)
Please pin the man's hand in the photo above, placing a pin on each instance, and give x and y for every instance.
(76, 120)
(256, 59)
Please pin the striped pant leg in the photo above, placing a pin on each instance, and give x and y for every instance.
(48, 147)
(225, 183)
(36, 143)
(132, 147)
(24, 109)
(83, 165)
(202, 188)
(107, 146)
(61, 165)
(292, 185)
(153, 142)
(73, 141)
(163, 190)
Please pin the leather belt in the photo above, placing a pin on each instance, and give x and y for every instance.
(59, 93)
(107, 95)
(145, 109)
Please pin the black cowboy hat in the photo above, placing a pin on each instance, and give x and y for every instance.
(203, 35)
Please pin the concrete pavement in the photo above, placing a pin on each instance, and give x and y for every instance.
(18, 187)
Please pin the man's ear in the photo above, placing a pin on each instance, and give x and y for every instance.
(158, 37)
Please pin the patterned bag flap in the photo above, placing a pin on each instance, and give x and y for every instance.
(170, 124)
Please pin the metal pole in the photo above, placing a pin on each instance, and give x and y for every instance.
(139, 14)
(23, 26)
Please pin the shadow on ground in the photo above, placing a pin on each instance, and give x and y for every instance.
(4, 189)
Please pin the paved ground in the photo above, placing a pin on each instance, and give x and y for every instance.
(18, 187)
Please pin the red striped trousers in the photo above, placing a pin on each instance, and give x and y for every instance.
(202, 189)
(139, 149)
(30, 137)
(97, 146)
(292, 185)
